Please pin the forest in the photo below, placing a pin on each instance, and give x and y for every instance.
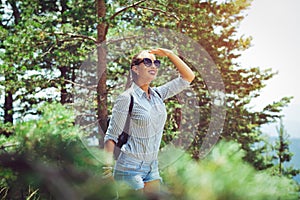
(64, 62)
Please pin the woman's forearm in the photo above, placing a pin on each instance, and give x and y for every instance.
(184, 70)
(109, 146)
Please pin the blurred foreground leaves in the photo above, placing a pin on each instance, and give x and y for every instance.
(48, 158)
(224, 175)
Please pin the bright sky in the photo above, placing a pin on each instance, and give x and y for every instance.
(275, 28)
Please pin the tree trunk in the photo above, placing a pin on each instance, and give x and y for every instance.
(64, 70)
(8, 101)
(101, 69)
(8, 107)
(64, 95)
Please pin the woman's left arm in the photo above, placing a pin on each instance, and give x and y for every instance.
(184, 70)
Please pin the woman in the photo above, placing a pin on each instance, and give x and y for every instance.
(137, 164)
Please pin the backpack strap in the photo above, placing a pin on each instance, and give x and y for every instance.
(129, 112)
(123, 137)
(157, 93)
(131, 104)
(127, 123)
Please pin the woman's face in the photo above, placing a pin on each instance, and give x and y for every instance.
(144, 73)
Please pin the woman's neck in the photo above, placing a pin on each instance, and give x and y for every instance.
(144, 87)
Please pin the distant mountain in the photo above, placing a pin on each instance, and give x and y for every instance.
(295, 149)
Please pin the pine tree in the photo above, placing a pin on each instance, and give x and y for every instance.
(283, 155)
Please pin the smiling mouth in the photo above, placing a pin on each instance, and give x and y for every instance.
(153, 72)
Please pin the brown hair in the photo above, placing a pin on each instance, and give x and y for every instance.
(132, 75)
(134, 60)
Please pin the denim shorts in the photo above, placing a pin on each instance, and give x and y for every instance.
(134, 172)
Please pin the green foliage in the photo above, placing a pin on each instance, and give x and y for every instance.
(49, 155)
(282, 154)
(6, 129)
(48, 159)
(214, 26)
(43, 44)
(224, 175)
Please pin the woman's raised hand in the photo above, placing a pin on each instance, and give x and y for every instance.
(184, 70)
(161, 52)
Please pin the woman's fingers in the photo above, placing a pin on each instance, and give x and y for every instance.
(160, 51)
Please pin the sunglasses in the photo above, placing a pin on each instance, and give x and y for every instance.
(148, 62)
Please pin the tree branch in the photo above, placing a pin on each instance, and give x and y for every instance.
(72, 35)
(113, 41)
(7, 145)
(92, 87)
(161, 11)
(126, 8)
(48, 51)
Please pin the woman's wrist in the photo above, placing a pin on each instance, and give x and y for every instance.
(109, 160)
(162, 52)
(169, 53)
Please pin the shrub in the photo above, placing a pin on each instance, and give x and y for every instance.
(224, 175)
(48, 158)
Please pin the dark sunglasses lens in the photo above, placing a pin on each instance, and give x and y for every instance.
(147, 62)
(157, 63)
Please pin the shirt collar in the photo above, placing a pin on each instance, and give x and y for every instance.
(139, 91)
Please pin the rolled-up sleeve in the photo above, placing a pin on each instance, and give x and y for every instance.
(118, 118)
(172, 87)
